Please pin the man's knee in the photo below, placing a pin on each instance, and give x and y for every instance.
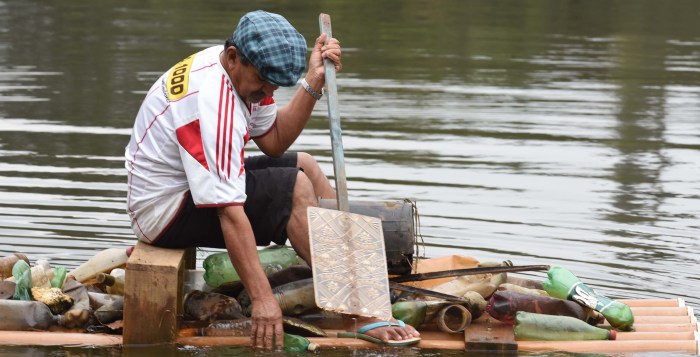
(304, 190)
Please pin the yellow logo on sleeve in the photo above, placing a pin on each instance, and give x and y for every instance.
(178, 79)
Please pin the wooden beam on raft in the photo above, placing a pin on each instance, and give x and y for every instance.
(153, 294)
(66, 339)
(684, 346)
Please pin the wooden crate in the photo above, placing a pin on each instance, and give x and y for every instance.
(153, 294)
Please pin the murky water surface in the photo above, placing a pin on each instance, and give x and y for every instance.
(544, 132)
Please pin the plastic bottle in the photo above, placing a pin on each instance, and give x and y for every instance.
(114, 281)
(219, 269)
(529, 326)
(484, 284)
(25, 315)
(210, 306)
(23, 281)
(521, 289)
(101, 262)
(563, 284)
(6, 264)
(504, 305)
(98, 300)
(59, 277)
(42, 273)
(295, 343)
(110, 312)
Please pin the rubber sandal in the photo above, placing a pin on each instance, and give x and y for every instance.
(360, 334)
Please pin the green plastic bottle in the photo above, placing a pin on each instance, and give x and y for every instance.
(219, 269)
(295, 343)
(563, 284)
(23, 280)
(59, 276)
(541, 327)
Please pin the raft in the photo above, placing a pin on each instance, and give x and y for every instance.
(661, 325)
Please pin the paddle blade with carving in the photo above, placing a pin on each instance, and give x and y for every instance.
(349, 263)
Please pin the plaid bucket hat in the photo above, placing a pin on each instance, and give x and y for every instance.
(273, 46)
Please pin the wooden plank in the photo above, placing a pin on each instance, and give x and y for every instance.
(678, 302)
(45, 338)
(669, 336)
(663, 319)
(687, 346)
(153, 294)
(660, 311)
(666, 327)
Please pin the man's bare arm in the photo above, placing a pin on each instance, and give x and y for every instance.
(240, 244)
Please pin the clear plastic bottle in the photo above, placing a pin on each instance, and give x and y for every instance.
(42, 273)
(101, 262)
(25, 315)
(563, 284)
(114, 281)
(540, 327)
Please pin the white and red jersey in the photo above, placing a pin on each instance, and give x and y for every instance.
(189, 135)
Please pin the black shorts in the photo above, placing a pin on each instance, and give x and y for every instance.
(269, 188)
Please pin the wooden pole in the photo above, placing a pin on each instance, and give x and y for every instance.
(660, 311)
(665, 328)
(688, 346)
(46, 338)
(671, 336)
(678, 302)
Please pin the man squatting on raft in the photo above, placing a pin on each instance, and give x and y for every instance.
(188, 182)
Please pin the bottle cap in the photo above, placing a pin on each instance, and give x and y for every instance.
(613, 335)
(312, 347)
(105, 279)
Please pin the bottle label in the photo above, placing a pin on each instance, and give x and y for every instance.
(584, 295)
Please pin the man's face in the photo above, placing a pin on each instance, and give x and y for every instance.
(249, 84)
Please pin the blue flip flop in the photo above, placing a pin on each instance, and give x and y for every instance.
(361, 334)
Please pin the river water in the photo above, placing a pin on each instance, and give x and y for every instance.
(545, 132)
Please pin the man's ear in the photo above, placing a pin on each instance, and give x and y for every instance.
(231, 56)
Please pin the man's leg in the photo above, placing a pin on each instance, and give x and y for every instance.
(322, 187)
(298, 226)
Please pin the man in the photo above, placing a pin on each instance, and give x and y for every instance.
(189, 184)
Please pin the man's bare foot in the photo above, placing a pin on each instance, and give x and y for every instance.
(385, 331)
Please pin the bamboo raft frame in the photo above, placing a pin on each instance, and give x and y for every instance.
(665, 325)
(152, 316)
